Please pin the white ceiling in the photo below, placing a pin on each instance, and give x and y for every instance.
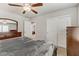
(46, 8)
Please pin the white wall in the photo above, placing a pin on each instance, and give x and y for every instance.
(41, 27)
(17, 17)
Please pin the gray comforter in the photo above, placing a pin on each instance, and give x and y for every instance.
(23, 47)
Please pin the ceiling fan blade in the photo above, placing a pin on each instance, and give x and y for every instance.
(34, 11)
(24, 12)
(37, 4)
(15, 5)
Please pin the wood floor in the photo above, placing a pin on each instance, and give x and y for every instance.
(61, 52)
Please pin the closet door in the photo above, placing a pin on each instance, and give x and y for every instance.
(63, 22)
(56, 30)
(52, 30)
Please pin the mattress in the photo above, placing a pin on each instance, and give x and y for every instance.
(23, 46)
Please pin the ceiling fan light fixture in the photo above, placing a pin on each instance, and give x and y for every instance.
(27, 7)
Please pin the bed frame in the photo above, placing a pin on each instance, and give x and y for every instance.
(11, 34)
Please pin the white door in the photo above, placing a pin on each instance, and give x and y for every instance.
(56, 30)
(64, 21)
(52, 30)
(28, 29)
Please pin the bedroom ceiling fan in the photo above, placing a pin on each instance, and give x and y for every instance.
(28, 7)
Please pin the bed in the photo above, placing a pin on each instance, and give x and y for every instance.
(23, 46)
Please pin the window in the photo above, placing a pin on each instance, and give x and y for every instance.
(4, 28)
